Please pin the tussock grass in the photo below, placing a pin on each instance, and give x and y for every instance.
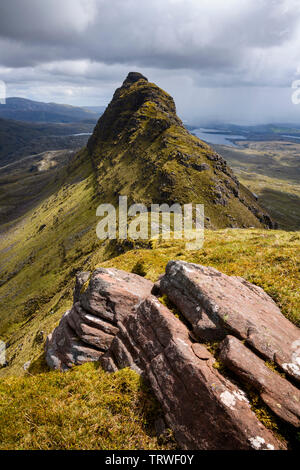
(89, 409)
(267, 258)
(85, 408)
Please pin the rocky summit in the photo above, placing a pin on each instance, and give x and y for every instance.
(141, 149)
(119, 320)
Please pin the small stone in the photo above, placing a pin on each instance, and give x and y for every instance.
(39, 337)
(27, 365)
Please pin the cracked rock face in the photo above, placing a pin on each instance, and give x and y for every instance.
(87, 330)
(278, 394)
(204, 410)
(217, 305)
(117, 320)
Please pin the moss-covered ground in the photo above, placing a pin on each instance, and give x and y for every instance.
(84, 409)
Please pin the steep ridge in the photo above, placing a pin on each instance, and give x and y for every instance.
(140, 149)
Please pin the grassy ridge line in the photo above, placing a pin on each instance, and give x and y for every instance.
(269, 259)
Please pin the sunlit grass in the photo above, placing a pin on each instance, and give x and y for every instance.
(85, 408)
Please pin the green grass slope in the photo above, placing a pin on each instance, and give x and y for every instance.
(26, 182)
(141, 149)
(86, 409)
(271, 170)
(39, 251)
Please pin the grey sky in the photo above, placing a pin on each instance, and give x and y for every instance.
(232, 60)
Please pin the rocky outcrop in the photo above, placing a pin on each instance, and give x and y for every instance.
(87, 330)
(204, 410)
(280, 395)
(65, 349)
(216, 305)
(117, 320)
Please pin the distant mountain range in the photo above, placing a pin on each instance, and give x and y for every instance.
(21, 109)
(95, 109)
(20, 139)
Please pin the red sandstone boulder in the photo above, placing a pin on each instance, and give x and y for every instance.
(112, 294)
(116, 320)
(217, 305)
(65, 349)
(280, 395)
(204, 409)
(87, 330)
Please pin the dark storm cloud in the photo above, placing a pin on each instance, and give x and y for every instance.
(165, 34)
(74, 44)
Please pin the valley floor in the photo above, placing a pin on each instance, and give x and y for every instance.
(271, 170)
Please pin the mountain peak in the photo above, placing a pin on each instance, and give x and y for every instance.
(141, 149)
(134, 103)
(133, 77)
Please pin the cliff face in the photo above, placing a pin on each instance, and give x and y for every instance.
(141, 149)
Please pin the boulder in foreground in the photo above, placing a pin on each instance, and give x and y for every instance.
(116, 320)
(87, 330)
(216, 305)
(204, 409)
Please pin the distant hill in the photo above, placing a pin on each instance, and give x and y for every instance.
(21, 109)
(96, 109)
(20, 139)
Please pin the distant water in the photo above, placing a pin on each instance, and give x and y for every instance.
(291, 136)
(212, 136)
(83, 133)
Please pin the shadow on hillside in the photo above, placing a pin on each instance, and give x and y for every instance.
(284, 207)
